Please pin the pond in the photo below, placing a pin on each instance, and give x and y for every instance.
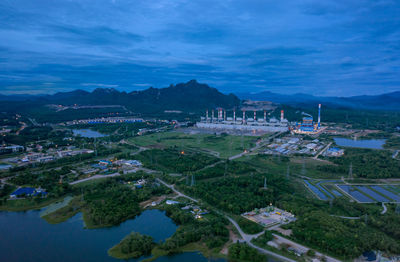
(87, 133)
(364, 143)
(27, 237)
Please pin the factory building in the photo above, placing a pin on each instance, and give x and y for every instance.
(244, 123)
(308, 126)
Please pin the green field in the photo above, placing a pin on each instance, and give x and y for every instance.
(219, 145)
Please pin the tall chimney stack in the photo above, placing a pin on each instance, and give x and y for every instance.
(265, 116)
(244, 116)
(224, 115)
(212, 115)
(255, 116)
(234, 115)
(207, 115)
(319, 116)
(282, 115)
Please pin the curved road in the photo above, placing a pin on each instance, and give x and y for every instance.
(247, 238)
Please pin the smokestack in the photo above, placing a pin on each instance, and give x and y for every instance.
(244, 116)
(319, 116)
(282, 115)
(234, 116)
(212, 115)
(254, 116)
(224, 115)
(265, 116)
(207, 115)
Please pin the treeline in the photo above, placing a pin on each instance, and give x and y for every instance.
(174, 160)
(242, 252)
(347, 238)
(48, 180)
(110, 202)
(240, 194)
(366, 163)
(225, 169)
(134, 245)
(210, 230)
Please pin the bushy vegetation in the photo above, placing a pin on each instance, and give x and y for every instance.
(249, 227)
(242, 252)
(48, 180)
(132, 246)
(225, 169)
(110, 202)
(174, 160)
(367, 163)
(240, 194)
(343, 237)
(211, 230)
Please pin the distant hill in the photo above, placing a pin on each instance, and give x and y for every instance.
(190, 97)
(388, 102)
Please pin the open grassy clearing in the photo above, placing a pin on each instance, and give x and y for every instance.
(220, 145)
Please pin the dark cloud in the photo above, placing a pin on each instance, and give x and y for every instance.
(336, 47)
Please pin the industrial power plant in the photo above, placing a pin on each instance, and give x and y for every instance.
(254, 123)
(308, 126)
(243, 123)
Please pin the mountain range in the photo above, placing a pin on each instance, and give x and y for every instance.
(188, 97)
(386, 102)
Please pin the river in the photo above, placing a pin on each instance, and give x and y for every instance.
(26, 237)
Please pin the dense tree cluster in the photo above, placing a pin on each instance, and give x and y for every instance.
(110, 202)
(133, 246)
(48, 180)
(225, 169)
(249, 227)
(211, 230)
(366, 163)
(174, 160)
(242, 252)
(347, 238)
(240, 194)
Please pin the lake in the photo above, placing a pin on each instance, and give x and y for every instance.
(87, 133)
(26, 237)
(364, 143)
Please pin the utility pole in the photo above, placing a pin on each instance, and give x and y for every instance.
(287, 171)
(351, 171)
(192, 184)
(303, 168)
(226, 166)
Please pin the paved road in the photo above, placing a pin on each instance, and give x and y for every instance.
(93, 178)
(176, 191)
(323, 150)
(384, 209)
(263, 141)
(247, 238)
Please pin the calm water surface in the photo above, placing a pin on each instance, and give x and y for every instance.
(24, 236)
(87, 133)
(367, 143)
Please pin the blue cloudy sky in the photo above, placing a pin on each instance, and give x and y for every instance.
(341, 47)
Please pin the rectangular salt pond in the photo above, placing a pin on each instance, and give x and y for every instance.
(355, 194)
(394, 197)
(372, 194)
(316, 191)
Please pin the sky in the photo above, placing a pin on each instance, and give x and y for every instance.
(326, 48)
